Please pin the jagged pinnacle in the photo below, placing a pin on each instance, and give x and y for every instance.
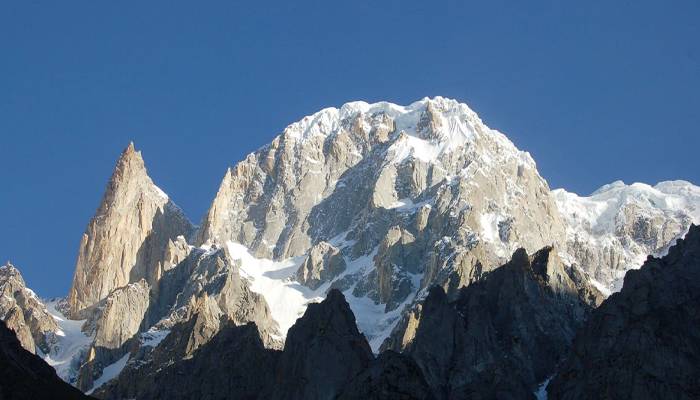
(130, 150)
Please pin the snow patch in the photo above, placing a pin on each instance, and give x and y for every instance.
(153, 337)
(286, 297)
(110, 372)
(66, 355)
(541, 393)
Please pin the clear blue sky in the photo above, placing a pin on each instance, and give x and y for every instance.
(595, 90)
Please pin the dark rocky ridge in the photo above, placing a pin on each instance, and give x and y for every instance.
(643, 342)
(503, 335)
(24, 375)
(325, 357)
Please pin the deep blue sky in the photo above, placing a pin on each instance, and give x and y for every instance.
(595, 90)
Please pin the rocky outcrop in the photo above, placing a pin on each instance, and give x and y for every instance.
(502, 336)
(25, 376)
(323, 351)
(323, 263)
(118, 320)
(194, 297)
(128, 238)
(210, 279)
(643, 342)
(24, 312)
(121, 315)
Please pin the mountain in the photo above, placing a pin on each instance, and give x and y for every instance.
(25, 313)
(379, 201)
(401, 198)
(643, 342)
(26, 376)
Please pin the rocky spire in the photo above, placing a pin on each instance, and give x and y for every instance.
(126, 239)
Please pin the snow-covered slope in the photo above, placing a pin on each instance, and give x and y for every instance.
(67, 354)
(615, 228)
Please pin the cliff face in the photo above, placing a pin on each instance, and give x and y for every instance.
(643, 342)
(127, 238)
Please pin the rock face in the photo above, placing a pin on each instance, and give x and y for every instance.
(126, 240)
(24, 312)
(615, 228)
(121, 315)
(339, 169)
(502, 336)
(26, 376)
(323, 263)
(213, 280)
(643, 342)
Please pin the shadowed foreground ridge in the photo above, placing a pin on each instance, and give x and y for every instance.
(325, 357)
(504, 334)
(643, 342)
(24, 375)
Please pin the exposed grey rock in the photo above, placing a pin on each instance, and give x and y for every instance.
(118, 321)
(127, 239)
(643, 342)
(24, 312)
(211, 277)
(122, 314)
(25, 376)
(397, 258)
(323, 263)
